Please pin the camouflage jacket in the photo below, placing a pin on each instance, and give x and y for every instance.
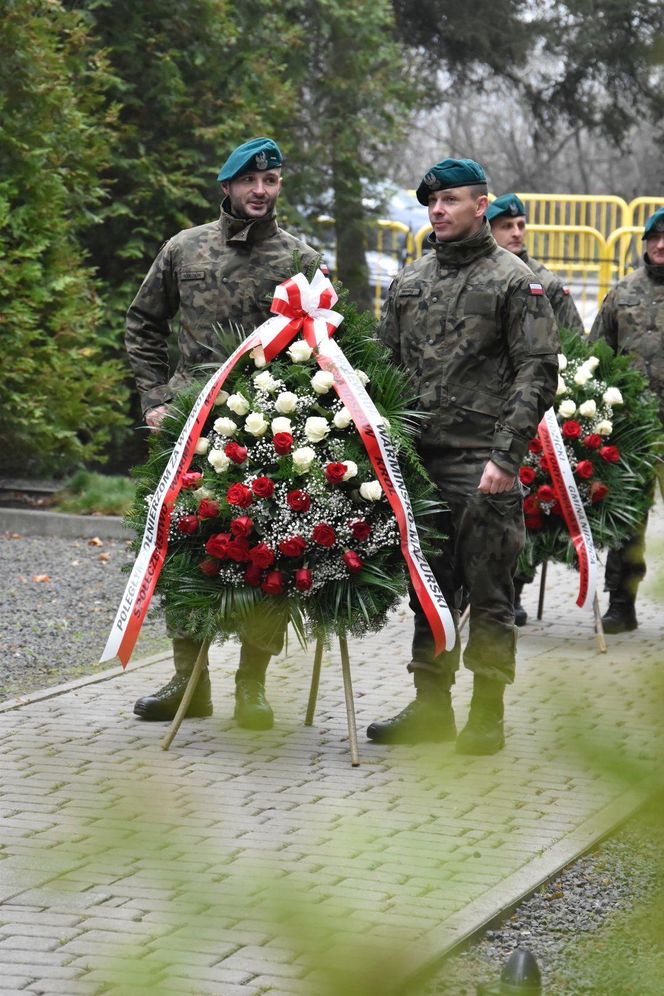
(224, 272)
(479, 337)
(631, 320)
(558, 294)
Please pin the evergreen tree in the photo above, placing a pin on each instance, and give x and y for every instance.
(60, 394)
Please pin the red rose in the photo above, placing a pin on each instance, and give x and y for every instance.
(598, 492)
(298, 501)
(282, 442)
(274, 583)
(323, 535)
(556, 509)
(217, 545)
(531, 506)
(534, 521)
(242, 526)
(188, 524)
(303, 579)
(546, 493)
(263, 487)
(253, 576)
(361, 530)
(208, 509)
(610, 453)
(534, 446)
(592, 442)
(571, 430)
(526, 475)
(584, 470)
(262, 556)
(210, 567)
(239, 495)
(352, 562)
(235, 452)
(238, 550)
(294, 546)
(191, 479)
(334, 472)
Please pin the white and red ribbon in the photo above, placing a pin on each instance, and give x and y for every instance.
(571, 505)
(298, 306)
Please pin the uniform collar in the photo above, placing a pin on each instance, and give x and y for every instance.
(457, 254)
(656, 273)
(523, 255)
(241, 232)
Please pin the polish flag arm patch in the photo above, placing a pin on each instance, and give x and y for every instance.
(536, 289)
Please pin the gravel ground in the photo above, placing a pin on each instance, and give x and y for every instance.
(597, 928)
(58, 600)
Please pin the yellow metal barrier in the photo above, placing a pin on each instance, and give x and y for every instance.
(601, 212)
(641, 208)
(624, 249)
(393, 243)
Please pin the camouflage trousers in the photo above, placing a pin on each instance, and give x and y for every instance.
(626, 565)
(484, 537)
(263, 639)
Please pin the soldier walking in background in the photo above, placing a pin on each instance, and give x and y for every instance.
(507, 217)
(631, 320)
(225, 273)
(477, 333)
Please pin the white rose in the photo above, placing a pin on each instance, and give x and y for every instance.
(342, 419)
(255, 424)
(592, 363)
(299, 351)
(562, 361)
(225, 426)
(316, 429)
(200, 493)
(258, 356)
(238, 404)
(588, 408)
(281, 425)
(566, 408)
(202, 446)
(562, 386)
(221, 399)
(582, 375)
(371, 491)
(322, 381)
(303, 458)
(604, 428)
(612, 396)
(362, 377)
(351, 470)
(286, 402)
(219, 460)
(265, 381)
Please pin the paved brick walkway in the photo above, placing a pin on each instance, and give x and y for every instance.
(240, 863)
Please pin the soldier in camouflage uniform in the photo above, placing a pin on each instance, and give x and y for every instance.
(222, 272)
(507, 217)
(631, 320)
(477, 333)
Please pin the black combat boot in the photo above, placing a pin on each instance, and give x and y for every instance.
(163, 704)
(483, 733)
(428, 719)
(252, 709)
(520, 614)
(620, 617)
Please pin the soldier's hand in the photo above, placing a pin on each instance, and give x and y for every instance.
(495, 480)
(154, 417)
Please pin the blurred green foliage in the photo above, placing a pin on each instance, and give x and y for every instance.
(89, 493)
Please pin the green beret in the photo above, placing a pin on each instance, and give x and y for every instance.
(655, 223)
(508, 204)
(256, 155)
(450, 173)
